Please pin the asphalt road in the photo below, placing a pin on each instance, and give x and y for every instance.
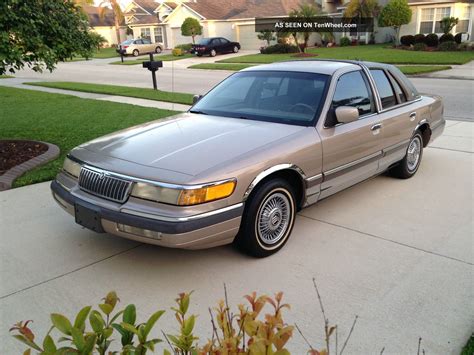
(457, 94)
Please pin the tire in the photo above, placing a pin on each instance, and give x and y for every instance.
(265, 226)
(409, 165)
(199, 55)
(158, 50)
(135, 52)
(213, 53)
(235, 49)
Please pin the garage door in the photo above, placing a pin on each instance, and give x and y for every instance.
(248, 37)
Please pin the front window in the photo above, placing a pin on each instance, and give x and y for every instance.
(352, 90)
(158, 33)
(431, 17)
(282, 97)
(464, 18)
(145, 33)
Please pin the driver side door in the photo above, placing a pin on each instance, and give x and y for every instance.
(351, 151)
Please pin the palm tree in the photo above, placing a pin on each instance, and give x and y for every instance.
(117, 12)
(362, 9)
(307, 12)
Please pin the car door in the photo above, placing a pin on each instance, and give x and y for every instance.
(147, 46)
(226, 45)
(397, 115)
(351, 151)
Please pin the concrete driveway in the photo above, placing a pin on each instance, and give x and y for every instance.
(397, 253)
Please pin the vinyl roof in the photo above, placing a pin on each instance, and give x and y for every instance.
(311, 66)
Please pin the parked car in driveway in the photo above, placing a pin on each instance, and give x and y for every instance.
(263, 144)
(214, 45)
(139, 46)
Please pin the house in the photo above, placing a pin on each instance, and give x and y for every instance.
(105, 25)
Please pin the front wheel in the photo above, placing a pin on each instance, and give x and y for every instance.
(135, 53)
(409, 165)
(213, 53)
(235, 49)
(268, 219)
(158, 50)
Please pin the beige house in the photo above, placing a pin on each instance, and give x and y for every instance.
(105, 25)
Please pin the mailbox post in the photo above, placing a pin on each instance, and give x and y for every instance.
(153, 66)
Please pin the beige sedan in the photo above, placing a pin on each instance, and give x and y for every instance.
(263, 144)
(139, 46)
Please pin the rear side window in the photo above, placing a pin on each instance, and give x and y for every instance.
(387, 96)
(398, 89)
(352, 90)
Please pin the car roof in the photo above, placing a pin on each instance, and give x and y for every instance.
(327, 67)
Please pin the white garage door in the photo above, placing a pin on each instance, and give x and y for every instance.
(248, 37)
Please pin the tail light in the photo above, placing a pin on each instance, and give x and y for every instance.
(124, 47)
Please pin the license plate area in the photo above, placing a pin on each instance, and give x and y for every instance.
(88, 218)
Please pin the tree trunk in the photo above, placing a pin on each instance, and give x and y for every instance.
(117, 29)
(397, 35)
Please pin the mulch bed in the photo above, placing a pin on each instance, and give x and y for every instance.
(16, 152)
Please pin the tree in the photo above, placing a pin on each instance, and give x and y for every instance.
(117, 12)
(39, 33)
(395, 14)
(266, 35)
(307, 12)
(359, 9)
(191, 27)
(448, 23)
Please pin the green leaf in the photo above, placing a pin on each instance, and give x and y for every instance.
(24, 340)
(80, 321)
(282, 352)
(183, 307)
(61, 323)
(107, 332)
(130, 314)
(91, 340)
(189, 325)
(114, 318)
(96, 321)
(166, 352)
(48, 344)
(129, 327)
(106, 308)
(78, 339)
(151, 322)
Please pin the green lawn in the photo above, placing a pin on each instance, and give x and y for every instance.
(223, 66)
(100, 54)
(64, 120)
(375, 53)
(150, 94)
(469, 347)
(163, 57)
(6, 76)
(407, 69)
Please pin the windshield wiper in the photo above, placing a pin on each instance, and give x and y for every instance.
(199, 112)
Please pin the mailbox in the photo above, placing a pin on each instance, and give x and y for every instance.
(153, 65)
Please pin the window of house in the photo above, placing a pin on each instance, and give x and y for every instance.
(158, 33)
(145, 33)
(430, 17)
(387, 96)
(464, 18)
(352, 90)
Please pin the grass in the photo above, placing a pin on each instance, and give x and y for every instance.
(375, 53)
(141, 93)
(406, 69)
(6, 76)
(64, 120)
(469, 347)
(223, 66)
(100, 54)
(163, 57)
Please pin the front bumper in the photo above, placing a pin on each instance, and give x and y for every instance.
(193, 232)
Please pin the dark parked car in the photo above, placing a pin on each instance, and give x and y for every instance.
(215, 45)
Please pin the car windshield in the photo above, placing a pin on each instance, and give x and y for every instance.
(128, 41)
(275, 96)
(204, 41)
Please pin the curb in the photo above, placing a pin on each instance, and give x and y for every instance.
(6, 180)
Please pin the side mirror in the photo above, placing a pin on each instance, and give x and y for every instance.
(196, 98)
(346, 114)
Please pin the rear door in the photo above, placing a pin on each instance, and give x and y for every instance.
(351, 151)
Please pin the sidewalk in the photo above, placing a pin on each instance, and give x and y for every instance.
(18, 83)
(459, 72)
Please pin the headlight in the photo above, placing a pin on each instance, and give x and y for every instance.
(71, 167)
(183, 197)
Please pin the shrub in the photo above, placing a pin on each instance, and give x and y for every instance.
(185, 47)
(432, 40)
(279, 48)
(419, 47)
(419, 38)
(345, 41)
(448, 46)
(446, 38)
(408, 40)
(466, 46)
(177, 52)
(458, 38)
(448, 23)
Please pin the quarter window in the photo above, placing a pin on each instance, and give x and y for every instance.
(352, 90)
(387, 96)
(398, 89)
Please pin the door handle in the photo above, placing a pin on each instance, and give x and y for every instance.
(412, 116)
(376, 127)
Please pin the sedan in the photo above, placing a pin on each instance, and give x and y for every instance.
(139, 46)
(263, 144)
(215, 45)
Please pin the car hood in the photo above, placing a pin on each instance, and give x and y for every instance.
(189, 143)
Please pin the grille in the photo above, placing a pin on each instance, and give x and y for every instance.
(104, 185)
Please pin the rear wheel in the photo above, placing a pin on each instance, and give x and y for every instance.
(213, 53)
(235, 49)
(135, 53)
(158, 49)
(409, 165)
(268, 219)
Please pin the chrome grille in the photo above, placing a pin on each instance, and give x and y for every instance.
(102, 184)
